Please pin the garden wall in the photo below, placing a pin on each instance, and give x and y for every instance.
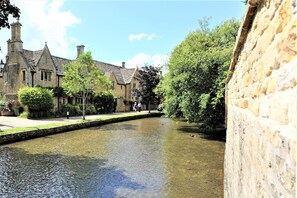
(261, 99)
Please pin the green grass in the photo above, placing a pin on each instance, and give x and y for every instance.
(58, 124)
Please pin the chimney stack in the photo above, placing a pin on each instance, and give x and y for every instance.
(15, 43)
(123, 64)
(80, 50)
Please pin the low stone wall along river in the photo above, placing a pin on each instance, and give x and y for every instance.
(151, 157)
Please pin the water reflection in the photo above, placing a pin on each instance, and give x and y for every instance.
(59, 176)
(153, 157)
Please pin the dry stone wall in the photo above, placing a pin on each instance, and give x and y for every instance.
(260, 157)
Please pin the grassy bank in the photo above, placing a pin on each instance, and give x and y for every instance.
(22, 133)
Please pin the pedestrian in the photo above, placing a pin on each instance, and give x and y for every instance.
(139, 106)
(135, 106)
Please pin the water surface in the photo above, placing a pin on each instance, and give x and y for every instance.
(152, 157)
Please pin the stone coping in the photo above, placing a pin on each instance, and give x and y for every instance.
(19, 136)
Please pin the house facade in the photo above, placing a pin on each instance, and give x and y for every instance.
(40, 68)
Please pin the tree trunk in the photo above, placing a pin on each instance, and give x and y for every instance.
(149, 106)
(84, 106)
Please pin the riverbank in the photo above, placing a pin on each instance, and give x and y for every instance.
(17, 129)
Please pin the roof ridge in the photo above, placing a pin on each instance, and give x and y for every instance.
(63, 58)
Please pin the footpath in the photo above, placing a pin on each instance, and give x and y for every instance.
(35, 128)
(7, 122)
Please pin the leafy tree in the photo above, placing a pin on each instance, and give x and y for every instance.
(82, 78)
(148, 78)
(194, 87)
(5, 10)
(38, 100)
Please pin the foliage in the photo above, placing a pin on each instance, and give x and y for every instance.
(5, 10)
(39, 100)
(148, 78)
(194, 87)
(24, 115)
(104, 102)
(57, 91)
(82, 78)
(2, 102)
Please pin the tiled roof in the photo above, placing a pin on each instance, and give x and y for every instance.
(59, 62)
(32, 57)
(106, 67)
(123, 75)
(127, 74)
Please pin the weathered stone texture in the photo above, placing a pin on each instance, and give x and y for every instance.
(260, 157)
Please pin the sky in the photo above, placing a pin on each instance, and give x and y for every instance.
(136, 32)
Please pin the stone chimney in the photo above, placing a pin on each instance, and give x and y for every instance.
(123, 64)
(80, 50)
(15, 43)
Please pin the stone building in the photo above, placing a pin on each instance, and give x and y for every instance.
(261, 101)
(31, 68)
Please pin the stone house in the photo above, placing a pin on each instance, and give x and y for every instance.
(261, 103)
(31, 68)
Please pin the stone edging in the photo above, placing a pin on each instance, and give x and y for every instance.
(14, 137)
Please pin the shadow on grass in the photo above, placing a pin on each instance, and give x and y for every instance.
(209, 134)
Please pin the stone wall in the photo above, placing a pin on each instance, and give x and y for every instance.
(261, 99)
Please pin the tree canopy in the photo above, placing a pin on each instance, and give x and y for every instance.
(5, 10)
(194, 87)
(149, 78)
(82, 78)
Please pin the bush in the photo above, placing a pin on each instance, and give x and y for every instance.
(2, 102)
(39, 100)
(24, 115)
(90, 109)
(104, 102)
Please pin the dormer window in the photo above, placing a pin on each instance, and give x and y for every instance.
(46, 76)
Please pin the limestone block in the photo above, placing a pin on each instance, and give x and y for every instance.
(246, 80)
(264, 107)
(292, 108)
(284, 16)
(278, 108)
(268, 35)
(256, 90)
(286, 78)
(287, 44)
(254, 106)
(271, 87)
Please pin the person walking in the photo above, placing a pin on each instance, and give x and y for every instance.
(139, 106)
(135, 106)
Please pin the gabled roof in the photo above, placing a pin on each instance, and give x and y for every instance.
(123, 75)
(32, 57)
(128, 74)
(106, 67)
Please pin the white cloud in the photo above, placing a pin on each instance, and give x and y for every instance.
(45, 23)
(140, 36)
(142, 59)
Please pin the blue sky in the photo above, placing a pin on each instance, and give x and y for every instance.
(136, 32)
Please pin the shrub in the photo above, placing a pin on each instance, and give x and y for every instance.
(39, 100)
(24, 115)
(91, 109)
(104, 102)
(2, 102)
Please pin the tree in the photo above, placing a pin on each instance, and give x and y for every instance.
(149, 78)
(194, 87)
(5, 10)
(82, 78)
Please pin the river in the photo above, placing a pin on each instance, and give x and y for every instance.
(152, 157)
